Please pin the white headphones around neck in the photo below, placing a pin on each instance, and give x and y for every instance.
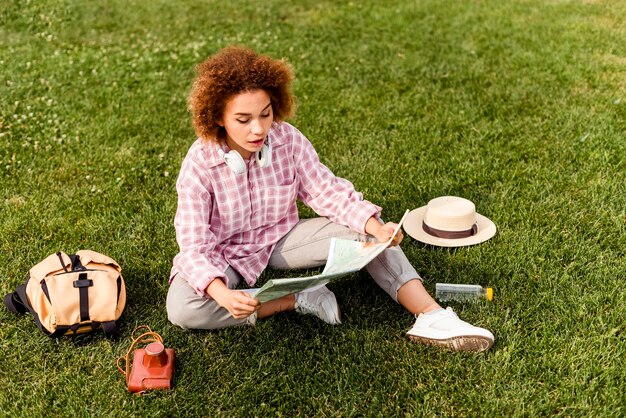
(235, 161)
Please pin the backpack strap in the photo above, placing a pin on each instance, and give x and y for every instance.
(17, 302)
(59, 332)
(83, 285)
(14, 302)
(77, 264)
(62, 262)
(110, 328)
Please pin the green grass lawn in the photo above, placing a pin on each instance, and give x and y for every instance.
(519, 106)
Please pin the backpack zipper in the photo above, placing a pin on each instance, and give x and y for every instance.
(77, 271)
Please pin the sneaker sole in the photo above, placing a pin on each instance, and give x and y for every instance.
(475, 343)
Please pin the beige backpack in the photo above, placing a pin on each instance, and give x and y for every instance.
(72, 294)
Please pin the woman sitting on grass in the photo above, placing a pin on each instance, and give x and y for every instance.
(237, 211)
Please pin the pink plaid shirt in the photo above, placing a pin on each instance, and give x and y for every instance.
(232, 219)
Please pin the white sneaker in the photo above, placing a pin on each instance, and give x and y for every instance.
(319, 302)
(443, 328)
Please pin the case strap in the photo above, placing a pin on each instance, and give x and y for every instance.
(146, 337)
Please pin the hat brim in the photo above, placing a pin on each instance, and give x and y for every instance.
(413, 226)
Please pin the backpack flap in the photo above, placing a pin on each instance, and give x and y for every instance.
(54, 263)
(88, 256)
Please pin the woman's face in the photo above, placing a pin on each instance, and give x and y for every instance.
(247, 119)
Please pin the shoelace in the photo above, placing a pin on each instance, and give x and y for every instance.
(302, 303)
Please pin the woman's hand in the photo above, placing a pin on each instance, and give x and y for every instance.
(239, 304)
(386, 231)
(383, 232)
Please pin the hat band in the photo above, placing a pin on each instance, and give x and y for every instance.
(439, 233)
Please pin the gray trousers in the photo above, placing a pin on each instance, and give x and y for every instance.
(305, 246)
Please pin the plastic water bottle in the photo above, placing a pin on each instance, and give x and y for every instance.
(446, 292)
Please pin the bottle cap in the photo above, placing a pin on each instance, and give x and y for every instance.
(489, 294)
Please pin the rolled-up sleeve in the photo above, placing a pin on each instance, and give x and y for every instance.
(197, 262)
(328, 195)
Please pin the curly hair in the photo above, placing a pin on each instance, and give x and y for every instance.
(232, 71)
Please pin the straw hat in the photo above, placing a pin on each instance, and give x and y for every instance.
(449, 221)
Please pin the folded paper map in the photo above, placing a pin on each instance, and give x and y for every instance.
(344, 257)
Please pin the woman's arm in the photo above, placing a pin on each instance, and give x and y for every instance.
(197, 262)
(327, 194)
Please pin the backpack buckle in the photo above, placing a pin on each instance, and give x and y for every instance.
(82, 281)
